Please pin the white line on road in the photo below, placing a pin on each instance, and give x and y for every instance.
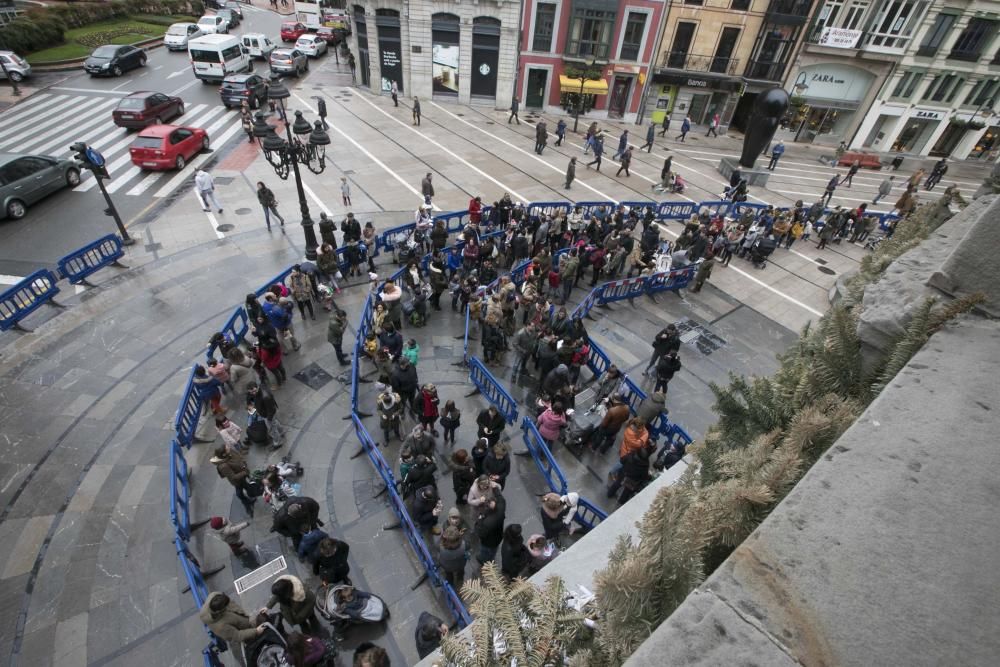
(178, 73)
(319, 202)
(77, 130)
(441, 146)
(368, 153)
(158, 67)
(184, 87)
(17, 114)
(120, 85)
(215, 223)
(92, 90)
(10, 280)
(59, 122)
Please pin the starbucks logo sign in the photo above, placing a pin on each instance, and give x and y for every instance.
(484, 69)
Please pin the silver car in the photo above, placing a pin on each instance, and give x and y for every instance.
(288, 61)
(17, 68)
(26, 179)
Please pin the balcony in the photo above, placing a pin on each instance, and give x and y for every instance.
(691, 62)
(767, 71)
(789, 12)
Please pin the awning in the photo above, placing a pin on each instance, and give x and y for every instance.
(590, 86)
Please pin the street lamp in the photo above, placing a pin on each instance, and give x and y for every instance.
(285, 155)
(579, 101)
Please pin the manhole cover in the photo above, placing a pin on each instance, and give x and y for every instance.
(225, 227)
(244, 211)
(827, 270)
(820, 260)
(223, 180)
(313, 376)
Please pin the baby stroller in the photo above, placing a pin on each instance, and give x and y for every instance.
(415, 310)
(761, 250)
(270, 648)
(406, 249)
(343, 605)
(580, 428)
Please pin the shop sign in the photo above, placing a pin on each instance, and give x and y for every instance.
(726, 83)
(927, 115)
(833, 81)
(839, 38)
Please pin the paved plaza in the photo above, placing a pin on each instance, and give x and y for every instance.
(88, 570)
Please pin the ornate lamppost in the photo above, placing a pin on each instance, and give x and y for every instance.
(305, 144)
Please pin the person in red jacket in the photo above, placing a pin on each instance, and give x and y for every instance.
(475, 210)
(428, 402)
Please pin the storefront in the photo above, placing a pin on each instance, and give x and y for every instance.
(699, 97)
(485, 56)
(571, 90)
(445, 51)
(361, 31)
(664, 96)
(915, 130)
(828, 97)
(390, 48)
(988, 146)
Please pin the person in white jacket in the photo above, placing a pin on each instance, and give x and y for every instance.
(205, 186)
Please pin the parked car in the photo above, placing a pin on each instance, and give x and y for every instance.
(26, 179)
(235, 7)
(311, 45)
(17, 67)
(179, 34)
(288, 61)
(139, 110)
(231, 18)
(332, 36)
(258, 45)
(292, 30)
(167, 146)
(239, 87)
(213, 25)
(112, 60)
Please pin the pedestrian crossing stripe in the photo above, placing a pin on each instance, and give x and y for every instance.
(47, 123)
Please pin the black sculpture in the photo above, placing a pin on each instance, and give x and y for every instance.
(768, 110)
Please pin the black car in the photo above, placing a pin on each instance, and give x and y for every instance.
(231, 17)
(112, 60)
(235, 7)
(239, 87)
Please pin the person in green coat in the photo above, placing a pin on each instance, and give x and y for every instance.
(229, 622)
(335, 334)
(412, 351)
(297, 604)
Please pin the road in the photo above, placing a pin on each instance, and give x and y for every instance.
(76, 107)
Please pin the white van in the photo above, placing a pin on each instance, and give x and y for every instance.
(258, 44)
(215, 56)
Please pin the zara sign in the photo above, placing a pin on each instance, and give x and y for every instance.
(832, 81)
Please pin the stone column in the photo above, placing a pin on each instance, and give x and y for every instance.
(465, 56)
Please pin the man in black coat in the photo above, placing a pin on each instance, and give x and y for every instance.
(262, 401)
(489, 528)
(420, 475)
(426, 508)
(404, 381)
(491, 425)
(665, 341)
(298, 516)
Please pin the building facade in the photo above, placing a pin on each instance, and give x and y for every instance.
(461, 50)
(612, 42)
(715, 56)
(941, 101)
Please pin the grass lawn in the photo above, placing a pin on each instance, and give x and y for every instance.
(82, 41)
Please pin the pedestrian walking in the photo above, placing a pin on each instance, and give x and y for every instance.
(351, 63)
(622, 145)
(914, 180)
(937, 173)
(884, 188)
(345, 191)
(232, 467)
(685, 128)
(541, 136)
(205, 185)
(590, 137)
(427, 188)
(704, 273)
(570, 172)
(270, 205)
(849, 178)
(667, 340)
(394, 91)
(416, 111)
(598, 146)
(650, 136)
(828, 192)
(713, 125)
(515, 105)
(776, 152)
(626, 162)
(907, 201)
(560, 132)
(335, 334)
(246, 118)
(665, 124)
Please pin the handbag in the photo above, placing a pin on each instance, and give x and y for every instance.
(254, 489)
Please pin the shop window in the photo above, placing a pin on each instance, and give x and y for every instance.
(936, 35)
(445, 53)
(907, 84)
(740, 5)
(545, 20)
(635, 27)
(590, 30)
(976, 36)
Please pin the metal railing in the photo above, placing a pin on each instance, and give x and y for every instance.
(693, 62)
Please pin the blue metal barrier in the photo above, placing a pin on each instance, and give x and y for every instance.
(277, 280)
(188, 413)
(387, 239)
(584, 307)
(180, 492)
(465, 343)
(543, 458)
(715, 207)
(234, 330)
(381, 466)
(27, 296)
(93, 257)
(598, 360)
(671, 280)
(492, 390)
(588, 514)
(589, 208)
(618, 290)
(453, 221)
(632, 394)
(736, 210)
(455, 605)
(540, 208)
(672, 434)
(559, 253)
(672, 210)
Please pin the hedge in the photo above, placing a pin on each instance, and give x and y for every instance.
(44, 27)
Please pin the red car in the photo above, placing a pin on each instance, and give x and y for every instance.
(138, 110)
(167, 146)
(292, 30)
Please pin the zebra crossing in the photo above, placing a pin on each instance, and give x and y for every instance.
(47, 123)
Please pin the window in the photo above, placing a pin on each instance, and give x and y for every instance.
(694, 2)
(976, 36)
(722, 63)
(932, 42)
(845, 14)
(944, 84)
(590, 30)
(545, 20)
(954, 90)
(932, 86)
(683, 36)
(907, 84)
(771, 52)
(983, 92)
(894, 23)
(635, 27)
(740, 5)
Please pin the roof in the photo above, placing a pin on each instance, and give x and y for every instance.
(214, 40)
(158, 130)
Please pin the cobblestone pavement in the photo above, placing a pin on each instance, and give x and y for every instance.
(88, 574)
